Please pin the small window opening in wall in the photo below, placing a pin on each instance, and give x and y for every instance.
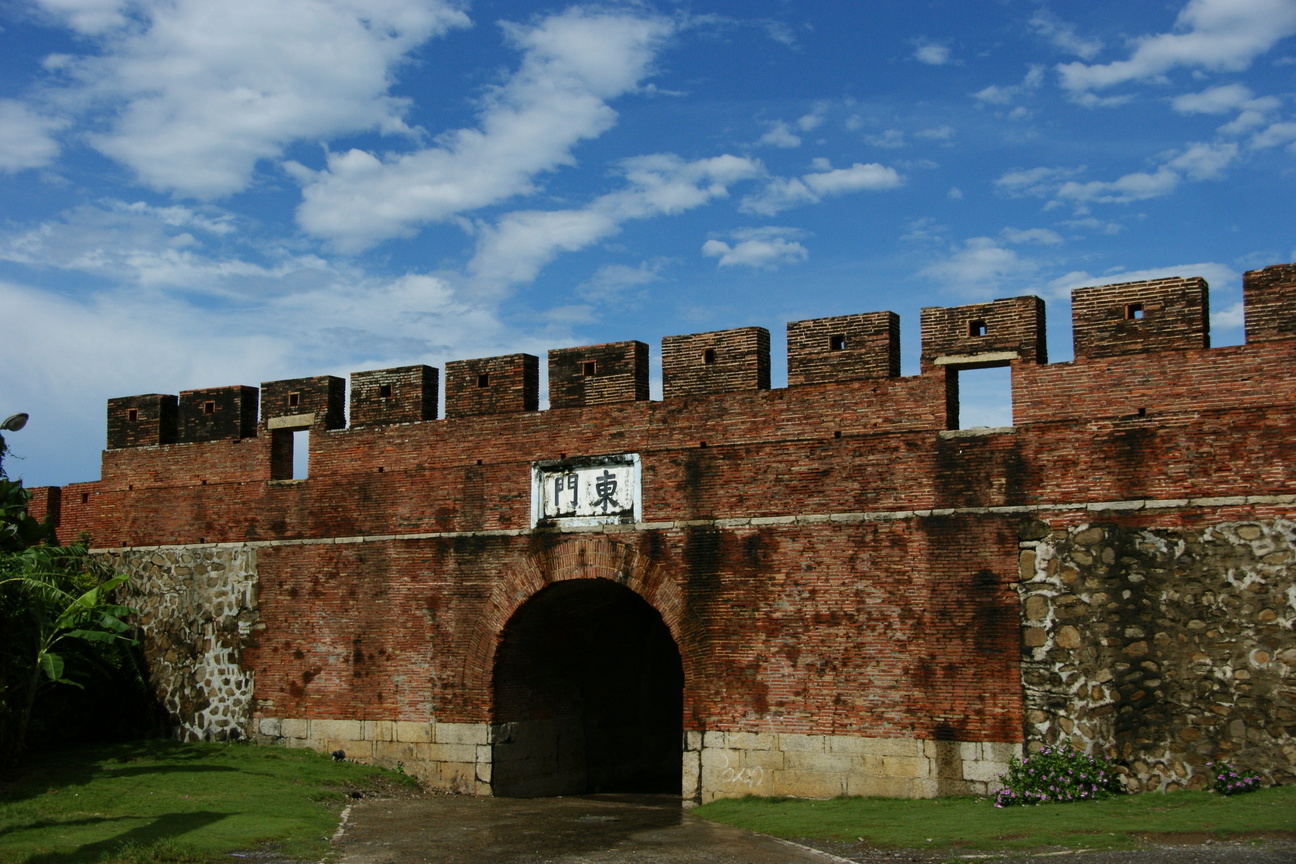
(702, 444)
(589, 367)
(85, 497)
(300, 453)
(384, 391)
(1134, 312)
(483, 380)
(837, 342)
(1142, 412)
(209, 407)
(708, 356)
(132, 415)
(977, 328)
(984, 397)
(837, 434)
(294, 400)
(380, 469)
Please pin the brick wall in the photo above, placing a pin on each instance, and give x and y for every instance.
(844, 348)
(598, 375)
(719, 362)
(1140, 317)
(837, 569)
(493, 385)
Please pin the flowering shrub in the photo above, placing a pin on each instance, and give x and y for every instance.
(1056, 774)
(1232, 782)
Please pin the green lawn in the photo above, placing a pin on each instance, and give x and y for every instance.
(974, 823)
(158, 801)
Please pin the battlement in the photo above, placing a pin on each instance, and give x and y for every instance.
(1111, 321)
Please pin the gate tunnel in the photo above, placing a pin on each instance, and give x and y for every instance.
(589, 694)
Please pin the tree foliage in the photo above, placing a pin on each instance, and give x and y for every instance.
(60, 622)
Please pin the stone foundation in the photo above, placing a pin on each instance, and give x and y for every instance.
(733, 764)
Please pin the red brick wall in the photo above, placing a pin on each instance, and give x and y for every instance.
(847, 613)
(1138, 317)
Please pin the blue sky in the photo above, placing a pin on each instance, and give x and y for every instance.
(199, 194)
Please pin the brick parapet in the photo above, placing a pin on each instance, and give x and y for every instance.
(1269, 303)
(1140, 317)
(719, 362)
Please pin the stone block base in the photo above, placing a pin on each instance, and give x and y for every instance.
(451, 757)
(461, 757)
(733, 764)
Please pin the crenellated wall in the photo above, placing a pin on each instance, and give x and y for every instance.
(829, 587)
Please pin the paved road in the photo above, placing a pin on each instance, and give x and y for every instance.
(587, 829)
(626, 829)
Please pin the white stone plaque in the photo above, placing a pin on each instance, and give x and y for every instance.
(590, 491)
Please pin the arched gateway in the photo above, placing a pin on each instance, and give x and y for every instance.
(587, 681)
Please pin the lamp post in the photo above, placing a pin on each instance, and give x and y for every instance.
(12, 423)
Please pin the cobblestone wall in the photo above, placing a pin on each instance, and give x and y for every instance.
(1165, 649)
(197, 610)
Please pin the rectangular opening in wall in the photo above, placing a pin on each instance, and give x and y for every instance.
(300, 453)
(132, 415)
(1134, 312)
(589, 367)
(708, 355)
(209, 408)
(984, 397)
(837, 342)
(483, 380)
(384, 391)
(977, 328)
(294, 400)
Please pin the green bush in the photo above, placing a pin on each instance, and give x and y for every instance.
(1230, 781)
(1057, 774)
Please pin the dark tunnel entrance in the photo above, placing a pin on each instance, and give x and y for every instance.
(589, 694)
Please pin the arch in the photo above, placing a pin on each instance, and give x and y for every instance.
(571, 557)
(588, 695)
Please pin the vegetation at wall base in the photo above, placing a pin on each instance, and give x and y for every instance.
(160, 801)
(1119, 822)
(1057, 774)
(1230, 781)
(63, 632)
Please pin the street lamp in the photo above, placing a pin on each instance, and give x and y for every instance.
(12, 423)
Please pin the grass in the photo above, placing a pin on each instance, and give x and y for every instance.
(160, 801)
(1125, 822)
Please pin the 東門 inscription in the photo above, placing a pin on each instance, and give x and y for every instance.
(588, 491)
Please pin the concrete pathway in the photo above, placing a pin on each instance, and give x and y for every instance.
(587, 829)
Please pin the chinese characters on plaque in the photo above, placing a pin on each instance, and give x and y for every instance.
(587, 491)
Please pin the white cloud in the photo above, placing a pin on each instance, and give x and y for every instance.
(1214, 35)
(782, 193)
(936, 133)
(978, 266)
(1037, 182)
(520, 244)
(1063, 35)
(780, 135)
(891, 139)
(1224, 99)
(1041, 236)
(195, 97)
(1007, 95)
(761, 248)
(1275, 136)
(26, 137)
(613, 283)
(573, 64)
(1204, 161)
(932, 53)
(810, 122)
(1136, 186)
